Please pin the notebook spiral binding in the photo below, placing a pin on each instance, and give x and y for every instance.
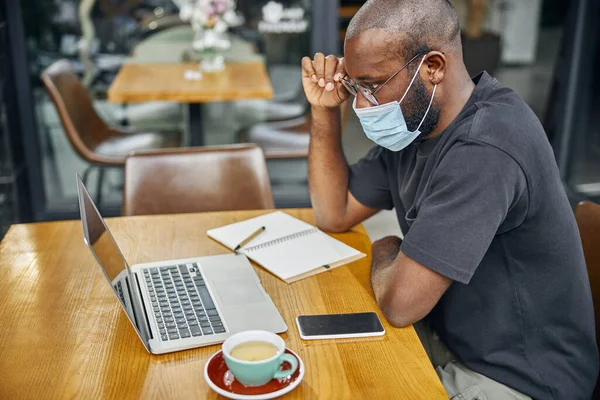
(280, 240)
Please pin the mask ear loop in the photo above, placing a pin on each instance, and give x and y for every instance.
(426, 112)
(413, 79)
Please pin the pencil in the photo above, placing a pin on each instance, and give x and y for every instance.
(250, 238)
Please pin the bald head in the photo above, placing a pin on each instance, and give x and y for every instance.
(386, 35)
(414, 26)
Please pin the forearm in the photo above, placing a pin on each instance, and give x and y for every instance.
(405, 290)
(327, 169)
(384, 272)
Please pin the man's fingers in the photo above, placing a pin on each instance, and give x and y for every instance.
(340, 70)
(307, 69)
(331, 63)
(325, 72)
(319, 65)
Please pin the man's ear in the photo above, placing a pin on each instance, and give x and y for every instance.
(436, 67)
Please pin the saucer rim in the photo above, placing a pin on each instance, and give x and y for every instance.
(265, 396)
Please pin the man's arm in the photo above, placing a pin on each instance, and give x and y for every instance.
(335, 208)
(471, 193)
(405, 290)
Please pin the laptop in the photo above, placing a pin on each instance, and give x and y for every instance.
(180, 304)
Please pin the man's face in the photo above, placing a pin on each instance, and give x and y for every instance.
(371, 59)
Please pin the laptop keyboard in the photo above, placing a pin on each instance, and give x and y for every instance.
(181, 303)
(119, 289)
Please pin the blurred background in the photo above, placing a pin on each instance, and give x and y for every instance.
(547, 50)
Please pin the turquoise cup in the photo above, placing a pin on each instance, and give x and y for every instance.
(258, 373)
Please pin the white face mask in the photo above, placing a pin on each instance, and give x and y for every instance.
(385, 124)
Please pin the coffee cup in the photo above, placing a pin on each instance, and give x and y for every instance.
(255, 357)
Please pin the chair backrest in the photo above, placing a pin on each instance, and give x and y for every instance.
(200, 179)
(587, 215)
(83, 126)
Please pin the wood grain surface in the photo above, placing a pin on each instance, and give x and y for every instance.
(63, 334)
(136, 83)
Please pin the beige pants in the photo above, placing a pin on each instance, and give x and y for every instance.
(459, 381)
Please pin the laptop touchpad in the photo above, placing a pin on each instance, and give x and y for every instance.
(238, 291)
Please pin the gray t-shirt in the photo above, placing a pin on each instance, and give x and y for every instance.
(483, 205)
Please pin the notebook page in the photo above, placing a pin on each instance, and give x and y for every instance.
(301, 254)
(278, 224)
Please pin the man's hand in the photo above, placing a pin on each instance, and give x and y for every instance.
(321, 81)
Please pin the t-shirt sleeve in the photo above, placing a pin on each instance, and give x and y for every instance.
(473, 190)
(368, 180)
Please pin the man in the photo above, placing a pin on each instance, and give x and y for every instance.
(491, 261)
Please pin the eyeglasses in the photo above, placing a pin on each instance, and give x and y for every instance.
(369, 94)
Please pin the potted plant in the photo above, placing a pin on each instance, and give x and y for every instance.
(210, 20)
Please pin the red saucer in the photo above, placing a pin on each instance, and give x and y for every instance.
(217, 373)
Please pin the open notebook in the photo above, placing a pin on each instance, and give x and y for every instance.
(289, 248)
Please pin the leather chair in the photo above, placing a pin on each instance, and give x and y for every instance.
(200, 179)
(587, 215)
(93, 140)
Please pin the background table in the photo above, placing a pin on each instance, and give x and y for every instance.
(136, 83)
(64, 335)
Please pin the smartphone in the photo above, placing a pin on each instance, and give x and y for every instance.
(337, 326)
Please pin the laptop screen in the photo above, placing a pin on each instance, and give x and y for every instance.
(98, 238)
(110, 259)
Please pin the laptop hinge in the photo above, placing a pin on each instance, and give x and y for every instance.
(137, 280)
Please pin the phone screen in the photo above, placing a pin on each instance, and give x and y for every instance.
(339, 324)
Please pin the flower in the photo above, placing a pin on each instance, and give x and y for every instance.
(217, 14)
(232, 18)
(272, 12)
(220, 26)
(185, 12)
(220, 6)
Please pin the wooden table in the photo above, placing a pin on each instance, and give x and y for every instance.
(136, 83)
(63, 334)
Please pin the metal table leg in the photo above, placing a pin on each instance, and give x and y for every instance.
(195, 128)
